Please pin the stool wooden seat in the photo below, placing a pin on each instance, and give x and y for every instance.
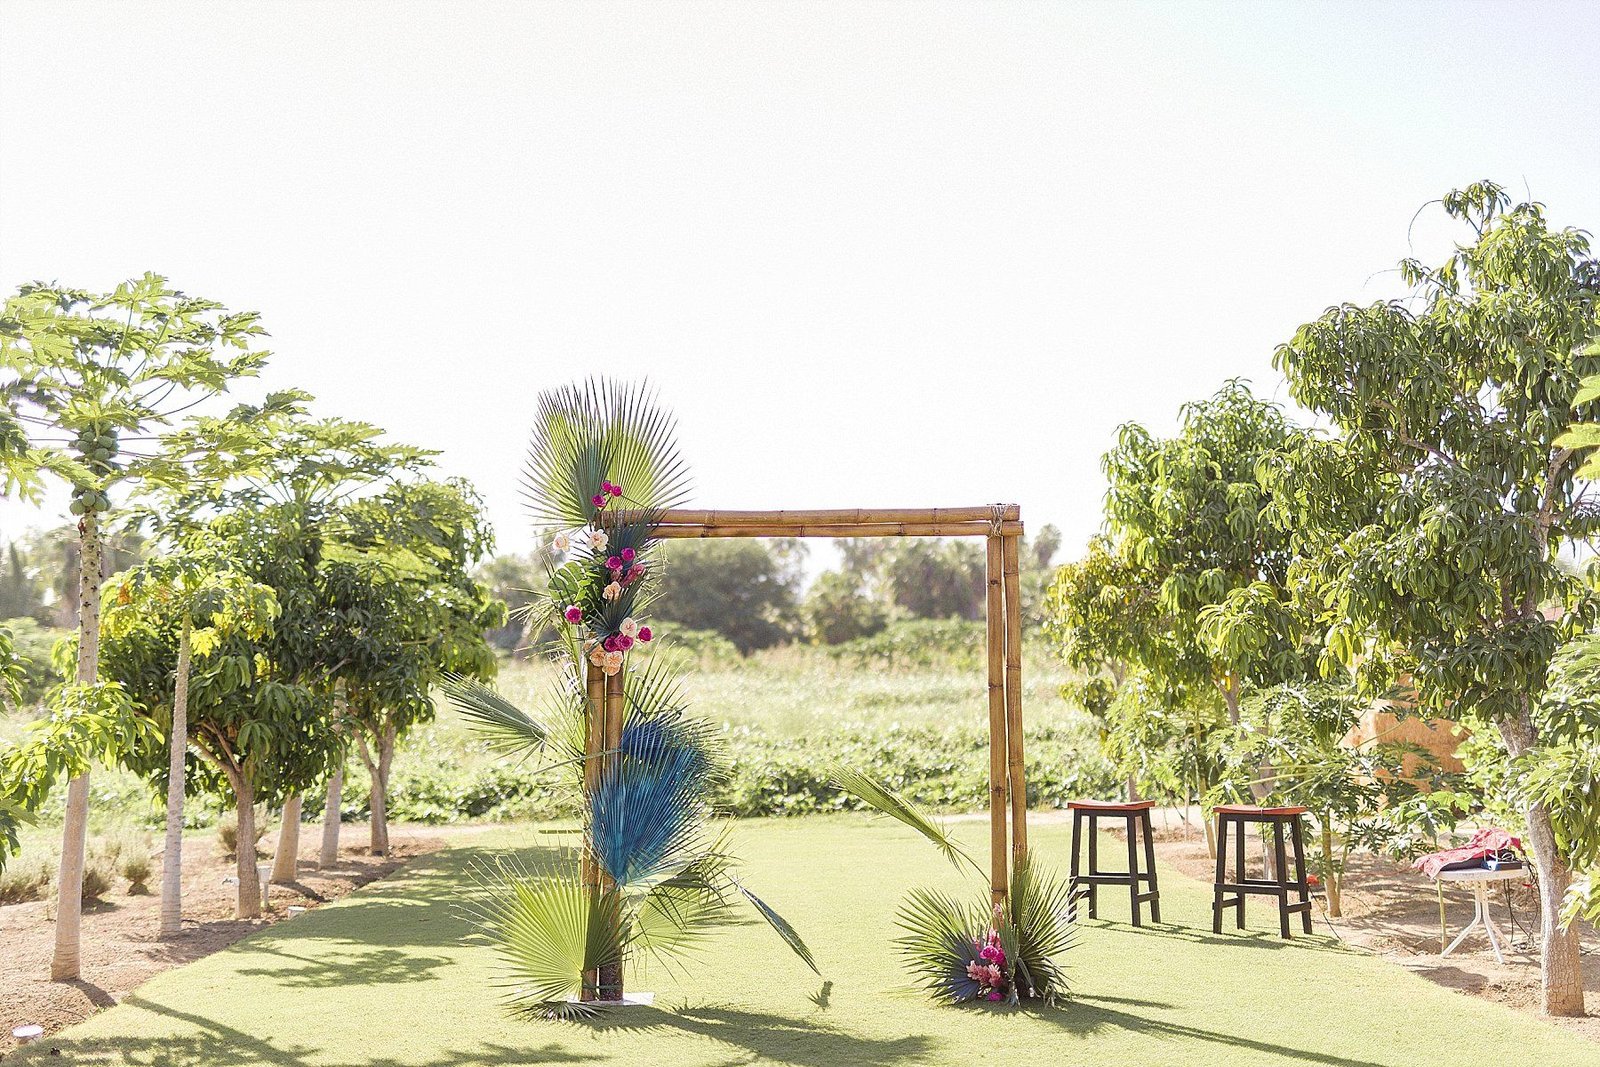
(1136, 815)
(1238, 816)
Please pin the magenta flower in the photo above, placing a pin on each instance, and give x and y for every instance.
(614, 490)
(635, 572)
(994, 996)
(615, 563)
(644, 633)
(624, 642)
(598, 500)
(609, 644)
(627, 555)
(573, 614)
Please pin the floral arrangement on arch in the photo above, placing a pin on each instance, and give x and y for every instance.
(653, 876)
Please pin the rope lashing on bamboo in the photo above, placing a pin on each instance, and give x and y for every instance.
(997, 519)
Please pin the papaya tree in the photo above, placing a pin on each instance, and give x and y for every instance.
(88, 378)
(195, 592)
(1454, 402)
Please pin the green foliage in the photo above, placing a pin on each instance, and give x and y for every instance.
(917, 643)
(34, 650)
(746, 590)
(837, 609)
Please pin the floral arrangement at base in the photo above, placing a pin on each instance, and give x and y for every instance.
(991, 954)
(653, 876)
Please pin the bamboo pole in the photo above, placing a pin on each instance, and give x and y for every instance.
(815, 517)
(999, 883)
(594, 746)
(1018, 780)
(886, 529)
(611, 974)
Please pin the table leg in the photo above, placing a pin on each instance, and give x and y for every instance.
(1488, 921)
(1477, 917)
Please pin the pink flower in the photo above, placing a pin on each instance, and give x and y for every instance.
(644, 633)
(995, 977)
(635, 572)
(615, 563)
(629, 627)
(614, 490)
(994, 996)
(627, 555)
(977, 972)
(609, 644)
(573, 614)
(990, 953)
(598, 500)
(624, 642)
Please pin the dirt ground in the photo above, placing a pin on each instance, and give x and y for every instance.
(120, 948)
(1393, 911)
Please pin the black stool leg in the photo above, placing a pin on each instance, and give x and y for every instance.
(1150, 866)
(1222, 870)
(1075, 890)
(1238, 866)
(1298, 838)
(1283, 877)
(1094, 864)
(1133, 866)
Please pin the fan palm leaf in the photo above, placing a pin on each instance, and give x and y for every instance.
(677, 914)
(1039, 912)
(548, 929)
(589, 432)
(506, 728)
(937, 945)
(646, 814)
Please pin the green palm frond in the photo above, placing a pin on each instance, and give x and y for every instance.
(1039, 913)
(598, 430)
(505, 727)
(547, 929)
(779, 924)
(675, 916)
(657, 689)
(878, 796)
(938, 943)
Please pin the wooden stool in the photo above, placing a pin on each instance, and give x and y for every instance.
(1237, 816)
(1137, 816)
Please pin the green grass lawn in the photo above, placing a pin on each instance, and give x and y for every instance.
(386, 978)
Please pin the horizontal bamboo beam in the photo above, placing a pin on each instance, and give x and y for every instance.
(826, 516)
(885, 529)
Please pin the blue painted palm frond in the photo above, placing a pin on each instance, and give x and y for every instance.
(644, 738)
(647, 814)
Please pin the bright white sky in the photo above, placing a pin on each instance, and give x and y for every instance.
(873, 254)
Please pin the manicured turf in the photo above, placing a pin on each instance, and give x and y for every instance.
(384, 979)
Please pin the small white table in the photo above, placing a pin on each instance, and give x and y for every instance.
(1480, 879)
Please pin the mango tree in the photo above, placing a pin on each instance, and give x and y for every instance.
(87, 379)
(194, 591)
(1453, 403)
(399, 572)
(294, 472)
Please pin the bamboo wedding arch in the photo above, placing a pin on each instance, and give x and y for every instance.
(1001, 527)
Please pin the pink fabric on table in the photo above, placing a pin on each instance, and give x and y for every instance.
(1484, 843)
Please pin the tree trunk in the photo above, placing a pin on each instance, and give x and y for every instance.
(1561, 970)
(1133, 787)
(378, 770)
(248, 902)
(286, 860)
(178, 744)
(330, 819)
(64, 964)
(1331, 878)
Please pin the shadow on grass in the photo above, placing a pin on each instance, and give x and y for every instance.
(769, 1038)
(1085, 1016)
(1228, 939)
(220, 1045)
(384, 966)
